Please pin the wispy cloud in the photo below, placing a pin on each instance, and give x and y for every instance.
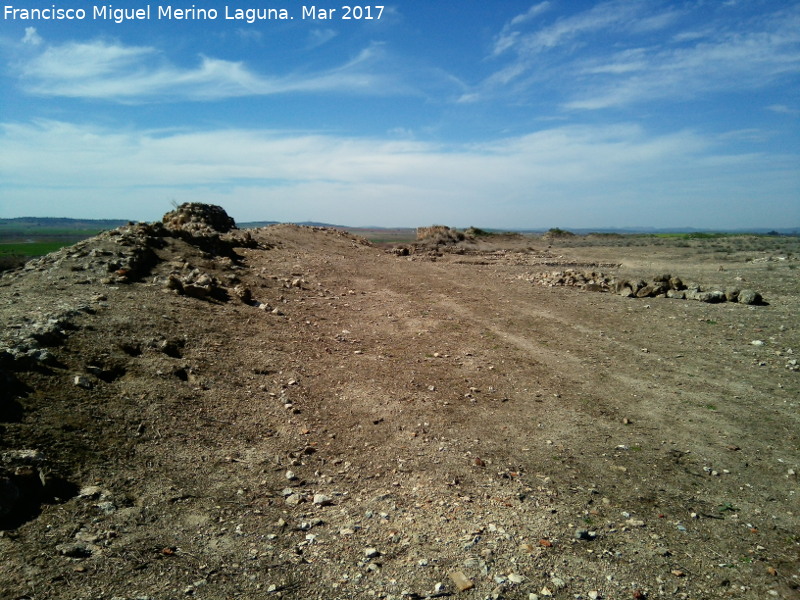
(729, 62)
(782, 109)
(249, 35)
(533, 12)
(617, 53)
(320, 37)
(588, 175)
(31, 37)
(509, 37)
(108, 70)
(618, 15)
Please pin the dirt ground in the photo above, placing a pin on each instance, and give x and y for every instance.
(293, 412)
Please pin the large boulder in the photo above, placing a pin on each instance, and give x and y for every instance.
(750, 297)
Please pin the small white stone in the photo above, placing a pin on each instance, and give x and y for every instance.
(82, 381)
(293, 500)
(90, 491)
(322, 500)
(634, 523)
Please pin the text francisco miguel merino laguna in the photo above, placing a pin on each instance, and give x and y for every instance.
(108, 12)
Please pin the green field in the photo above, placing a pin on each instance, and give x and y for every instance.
(25, 238)
(16, 251)
(385, 236)
(31, 248)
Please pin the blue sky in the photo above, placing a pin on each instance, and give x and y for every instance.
(503, 114)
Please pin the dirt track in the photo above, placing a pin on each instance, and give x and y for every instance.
(446, 415)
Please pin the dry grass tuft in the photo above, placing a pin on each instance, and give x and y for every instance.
(439, 234)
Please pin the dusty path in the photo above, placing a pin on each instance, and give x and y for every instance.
(444, 416)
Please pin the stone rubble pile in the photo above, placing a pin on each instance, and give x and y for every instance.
(206, 226)
(197, 284)
(199, 220)
(116, 256)
(29, 339)
(660, 286)
(122, 256)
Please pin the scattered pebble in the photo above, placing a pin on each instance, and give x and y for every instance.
(322, 500)
(461, 581)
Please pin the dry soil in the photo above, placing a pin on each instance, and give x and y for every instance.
(320, 418)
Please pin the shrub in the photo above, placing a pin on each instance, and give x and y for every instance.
(557, 232)
(476, 232)
(439, 234)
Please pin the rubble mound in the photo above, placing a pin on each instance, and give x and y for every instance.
(199, 219)
(207, 227)
(660, 286)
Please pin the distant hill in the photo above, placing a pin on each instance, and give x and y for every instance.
(23, 226)
(255, 224)
(655, 230)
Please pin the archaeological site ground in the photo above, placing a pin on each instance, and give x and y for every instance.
(193, 410)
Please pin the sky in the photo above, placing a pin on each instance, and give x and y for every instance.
(500, 114)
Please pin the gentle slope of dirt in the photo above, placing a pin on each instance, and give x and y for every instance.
(366, 425)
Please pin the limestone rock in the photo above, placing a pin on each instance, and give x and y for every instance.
(732, 294)
(461, 581)
(749, 297)
(322, 500)
(676, 283)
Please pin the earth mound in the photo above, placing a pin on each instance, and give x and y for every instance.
(199, 219)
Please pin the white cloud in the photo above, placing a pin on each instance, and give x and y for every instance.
(580, 176)
(77, 63)
(614, 14)
(533, 12)
(508, 38)
(597, 59)
(113, 71)
(320, 37)
(782, 109)
(31, 37)
(249, 35)
(731, 62)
